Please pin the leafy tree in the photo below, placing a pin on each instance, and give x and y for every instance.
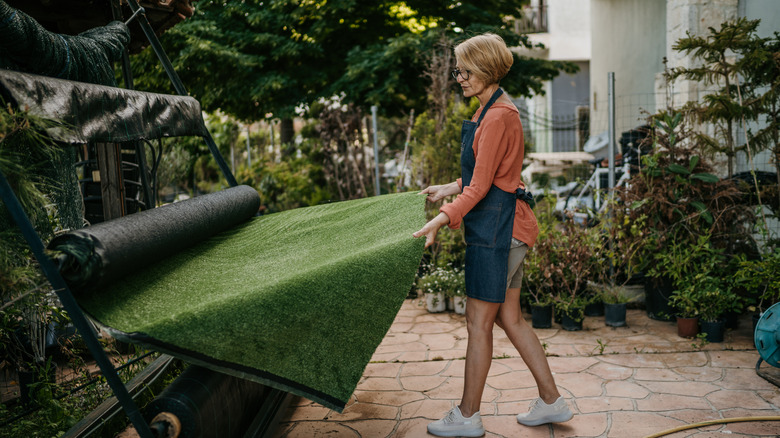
(255, 58)
(746, 71)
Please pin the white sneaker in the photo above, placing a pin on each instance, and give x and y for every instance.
(455, 424)
(542, 413)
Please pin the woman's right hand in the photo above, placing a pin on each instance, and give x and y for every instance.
(437, 193)
(430, 229)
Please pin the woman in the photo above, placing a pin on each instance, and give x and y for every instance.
(499, 229)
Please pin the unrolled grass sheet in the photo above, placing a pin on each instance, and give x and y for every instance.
(297, 300)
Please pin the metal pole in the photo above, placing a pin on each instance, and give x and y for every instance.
(248, 149)
(611, 153)
(611, 118)
(177, 84)
(376, 149)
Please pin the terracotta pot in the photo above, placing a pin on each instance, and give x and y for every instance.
(687, 327)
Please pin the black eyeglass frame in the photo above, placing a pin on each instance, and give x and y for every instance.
(465, 74)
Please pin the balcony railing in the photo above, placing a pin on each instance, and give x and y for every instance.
(533, 19)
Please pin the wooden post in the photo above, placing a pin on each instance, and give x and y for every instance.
(112, 186)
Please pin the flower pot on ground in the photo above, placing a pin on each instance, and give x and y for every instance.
(571, 323)
(435, 302)
(619, 262)
(441, 285)
(713, 330)
(459, 304)
(687, 327)
(657, 295)
(541, 315)
(615, 300)
(615, 314)
(686, 305)
(560, 263)
(595, 307)
(572, 311)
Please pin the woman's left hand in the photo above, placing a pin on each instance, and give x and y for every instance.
(430, 229)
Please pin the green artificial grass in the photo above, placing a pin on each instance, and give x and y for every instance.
(297, 300)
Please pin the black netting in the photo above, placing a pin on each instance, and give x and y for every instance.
(88, 57)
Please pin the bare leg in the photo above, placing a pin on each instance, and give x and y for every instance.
(480, 317)
(522, 336)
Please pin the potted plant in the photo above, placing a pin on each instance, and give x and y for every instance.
(686, 304)
(537, 276)
(573, 264)
(433, 291)
(536, 287)
(615, 301)
(716, 299)
(680, 199)
(761, 279)
(618, 260)
(442, 284)
(457, 290)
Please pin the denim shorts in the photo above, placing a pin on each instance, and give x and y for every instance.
(517, 252)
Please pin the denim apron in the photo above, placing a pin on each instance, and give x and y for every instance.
(488, 226)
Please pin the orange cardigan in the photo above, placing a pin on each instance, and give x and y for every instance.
(498, 149)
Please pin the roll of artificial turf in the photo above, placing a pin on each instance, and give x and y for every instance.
(101, 254)
(297, 300)
(206, 404)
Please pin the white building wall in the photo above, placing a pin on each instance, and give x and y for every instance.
(628, 37)
(768, 11)
(567, 39)
(569, 30)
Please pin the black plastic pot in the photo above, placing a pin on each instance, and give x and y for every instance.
(657, 293)
(615, 314)
(732, 320)
(569, 324)
(713, 330)
(594, 309)
(541, 316)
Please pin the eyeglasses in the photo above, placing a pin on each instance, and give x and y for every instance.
(463, 73)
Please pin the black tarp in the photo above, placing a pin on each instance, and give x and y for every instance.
(98, 113)
(26, 46)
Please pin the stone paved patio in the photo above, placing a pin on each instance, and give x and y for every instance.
(630, 381)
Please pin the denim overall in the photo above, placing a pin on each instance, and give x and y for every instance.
(488, 226)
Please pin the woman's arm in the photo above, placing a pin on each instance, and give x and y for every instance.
(490, 152)
(430, 229)
(437, 193)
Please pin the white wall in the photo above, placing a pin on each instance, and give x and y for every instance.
(629, 39)
(569, 28)
(768, 11)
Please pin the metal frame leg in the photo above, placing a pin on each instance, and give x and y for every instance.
(69, 303)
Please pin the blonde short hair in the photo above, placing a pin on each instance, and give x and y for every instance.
(485, 56)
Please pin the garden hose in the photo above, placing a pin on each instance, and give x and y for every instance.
(712, 422)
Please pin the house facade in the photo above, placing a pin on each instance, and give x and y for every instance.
(632, 39)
